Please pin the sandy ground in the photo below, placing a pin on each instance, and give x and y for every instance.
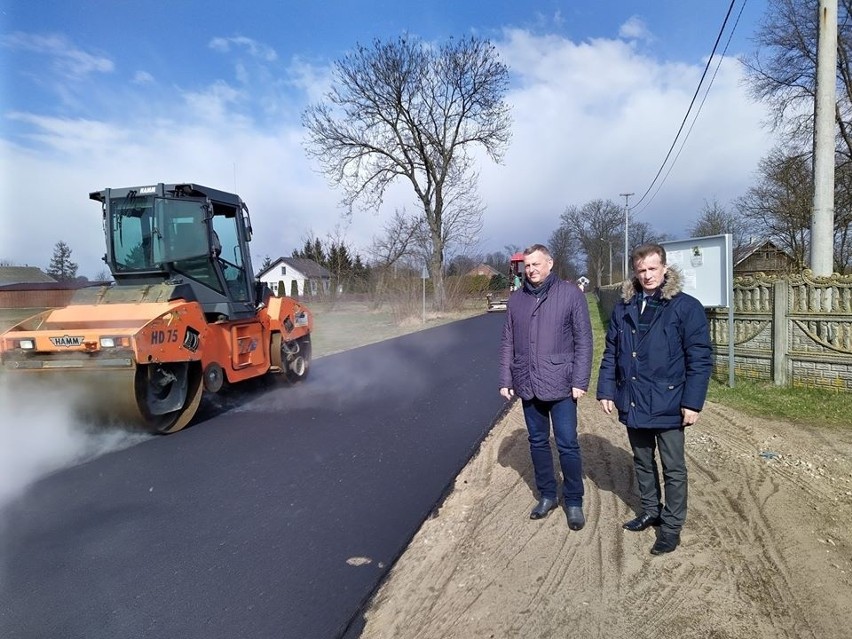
(766, 551)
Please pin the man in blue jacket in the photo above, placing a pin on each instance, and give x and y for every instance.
(655, 371)
(546, 359)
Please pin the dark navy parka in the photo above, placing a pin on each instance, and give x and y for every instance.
(546, 346)
(650, 377)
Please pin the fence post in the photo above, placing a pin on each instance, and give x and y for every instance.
(780, 341)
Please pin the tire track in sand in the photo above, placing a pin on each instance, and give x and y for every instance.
(755, 560)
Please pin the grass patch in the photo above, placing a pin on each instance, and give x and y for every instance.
(599, 324)
(803, 405)
(762, 399)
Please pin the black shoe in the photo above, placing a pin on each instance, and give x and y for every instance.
(542, 508)
(576, 520)
(642, 522)
(666, 542)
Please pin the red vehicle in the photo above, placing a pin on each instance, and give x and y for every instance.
(497, 301)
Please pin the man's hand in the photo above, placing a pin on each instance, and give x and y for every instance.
(607, 406)
(577, 393)
(507, 393)
(689, 416)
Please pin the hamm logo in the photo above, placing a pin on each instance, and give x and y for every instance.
(67, 340)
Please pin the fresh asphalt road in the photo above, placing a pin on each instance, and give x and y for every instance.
(274, 517)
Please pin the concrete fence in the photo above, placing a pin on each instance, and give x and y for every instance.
(793, 330)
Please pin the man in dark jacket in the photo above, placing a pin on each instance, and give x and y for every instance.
(655, 370)
(546, 359)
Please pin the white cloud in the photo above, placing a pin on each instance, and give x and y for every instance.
(311, 79)
(255, 49)
(595, 119)
(66, 58)
(591, 120)
(635, 29)
(143, 78)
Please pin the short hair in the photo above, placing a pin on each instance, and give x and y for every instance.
(644, 250)
(537, 247)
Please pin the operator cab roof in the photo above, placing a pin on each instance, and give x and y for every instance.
(185, 189)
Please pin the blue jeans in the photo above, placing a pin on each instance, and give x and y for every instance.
(538, 415)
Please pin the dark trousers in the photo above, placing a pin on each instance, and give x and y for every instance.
(644, 442)
(538, 415)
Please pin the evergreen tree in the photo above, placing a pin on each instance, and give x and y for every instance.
(61, 267)
(318, 254)
(312, 250)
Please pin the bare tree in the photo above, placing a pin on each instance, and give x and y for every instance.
(642, 233)
(397, 245)
(563, 247)
(780, 203)
(843, 219)
(461, 264)
(715, 219)
(497, 260)
(397, 240)
(782, 71)
(407, 110)
(595, 228)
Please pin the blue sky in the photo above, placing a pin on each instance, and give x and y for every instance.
(116, 93)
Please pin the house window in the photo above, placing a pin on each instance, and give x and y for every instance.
(283, 270)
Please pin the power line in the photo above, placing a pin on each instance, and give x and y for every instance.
(691, 104)
(697, 113)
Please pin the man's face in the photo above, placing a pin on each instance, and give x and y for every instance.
(650, 272)
(537, 267)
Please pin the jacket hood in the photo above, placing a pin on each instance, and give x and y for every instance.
(672, 285)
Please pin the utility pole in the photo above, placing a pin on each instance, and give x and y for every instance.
(822, 216)
(626, 197)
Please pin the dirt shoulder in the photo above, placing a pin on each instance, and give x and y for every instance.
(766, 552)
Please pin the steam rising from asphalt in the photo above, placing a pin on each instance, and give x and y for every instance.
(39, 435)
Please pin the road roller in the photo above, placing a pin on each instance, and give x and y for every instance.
(184, 314)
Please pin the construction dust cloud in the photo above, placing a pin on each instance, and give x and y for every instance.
(41, 435)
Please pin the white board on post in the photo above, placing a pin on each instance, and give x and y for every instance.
(706, 265)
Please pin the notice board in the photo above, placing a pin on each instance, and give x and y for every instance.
(706, 265)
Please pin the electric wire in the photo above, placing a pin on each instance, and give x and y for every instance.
(697, 113)
(691, 104)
